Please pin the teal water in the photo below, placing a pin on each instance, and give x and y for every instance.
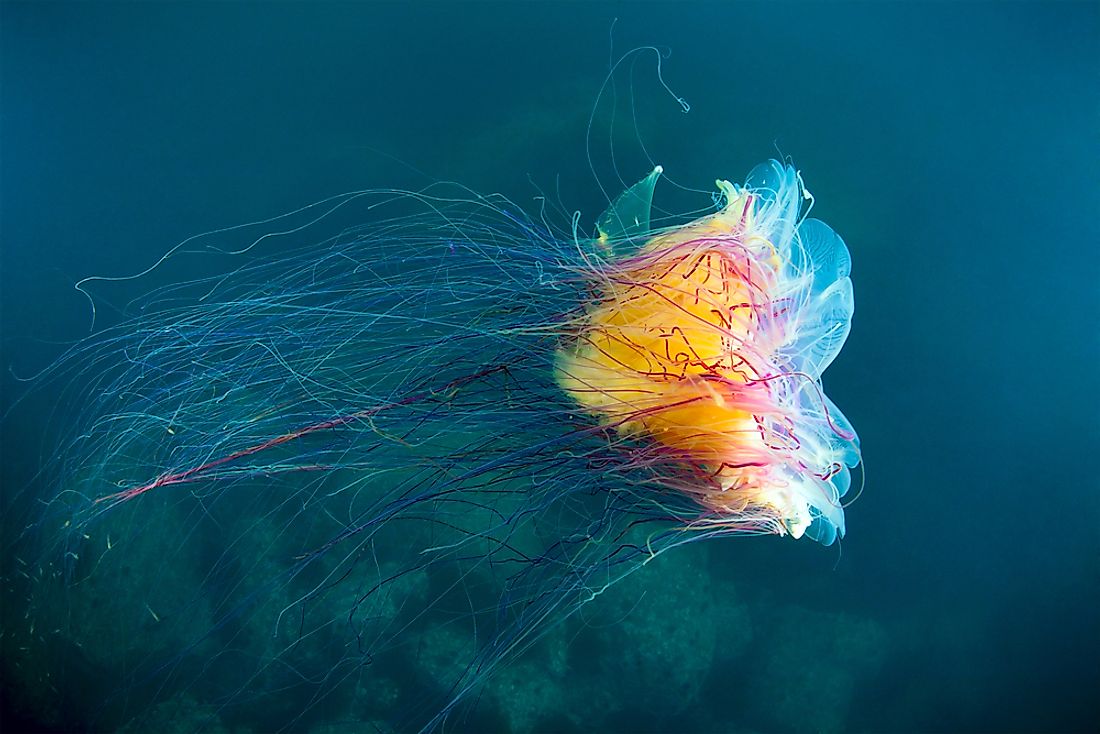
(953, 145)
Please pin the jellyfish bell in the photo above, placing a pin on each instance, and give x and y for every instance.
(709, 339)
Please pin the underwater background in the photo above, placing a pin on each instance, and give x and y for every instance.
(954, 146)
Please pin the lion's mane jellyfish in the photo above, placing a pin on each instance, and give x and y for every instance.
(352, 480)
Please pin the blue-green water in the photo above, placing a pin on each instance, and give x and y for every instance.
(953, 145)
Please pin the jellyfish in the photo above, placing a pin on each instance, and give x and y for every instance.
(366, 474)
